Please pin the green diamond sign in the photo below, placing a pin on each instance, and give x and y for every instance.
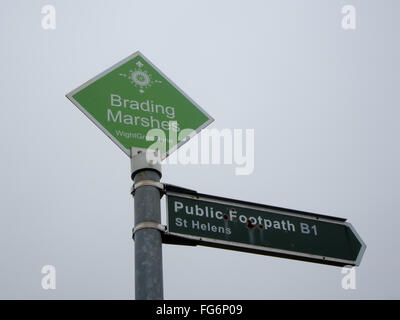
(131, 98)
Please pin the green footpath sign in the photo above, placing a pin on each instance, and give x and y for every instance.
(133, 97)
(233, 224)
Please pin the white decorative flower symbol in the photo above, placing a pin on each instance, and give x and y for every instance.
(139, 77)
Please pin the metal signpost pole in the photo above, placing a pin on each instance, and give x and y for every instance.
(148, 228)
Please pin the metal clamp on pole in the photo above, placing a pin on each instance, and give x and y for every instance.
(148, 225)
(144, 160)
(152, 183)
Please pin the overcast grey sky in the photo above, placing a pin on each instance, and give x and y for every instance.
(323, 101)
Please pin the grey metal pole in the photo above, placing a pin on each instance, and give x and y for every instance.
(148, 243)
